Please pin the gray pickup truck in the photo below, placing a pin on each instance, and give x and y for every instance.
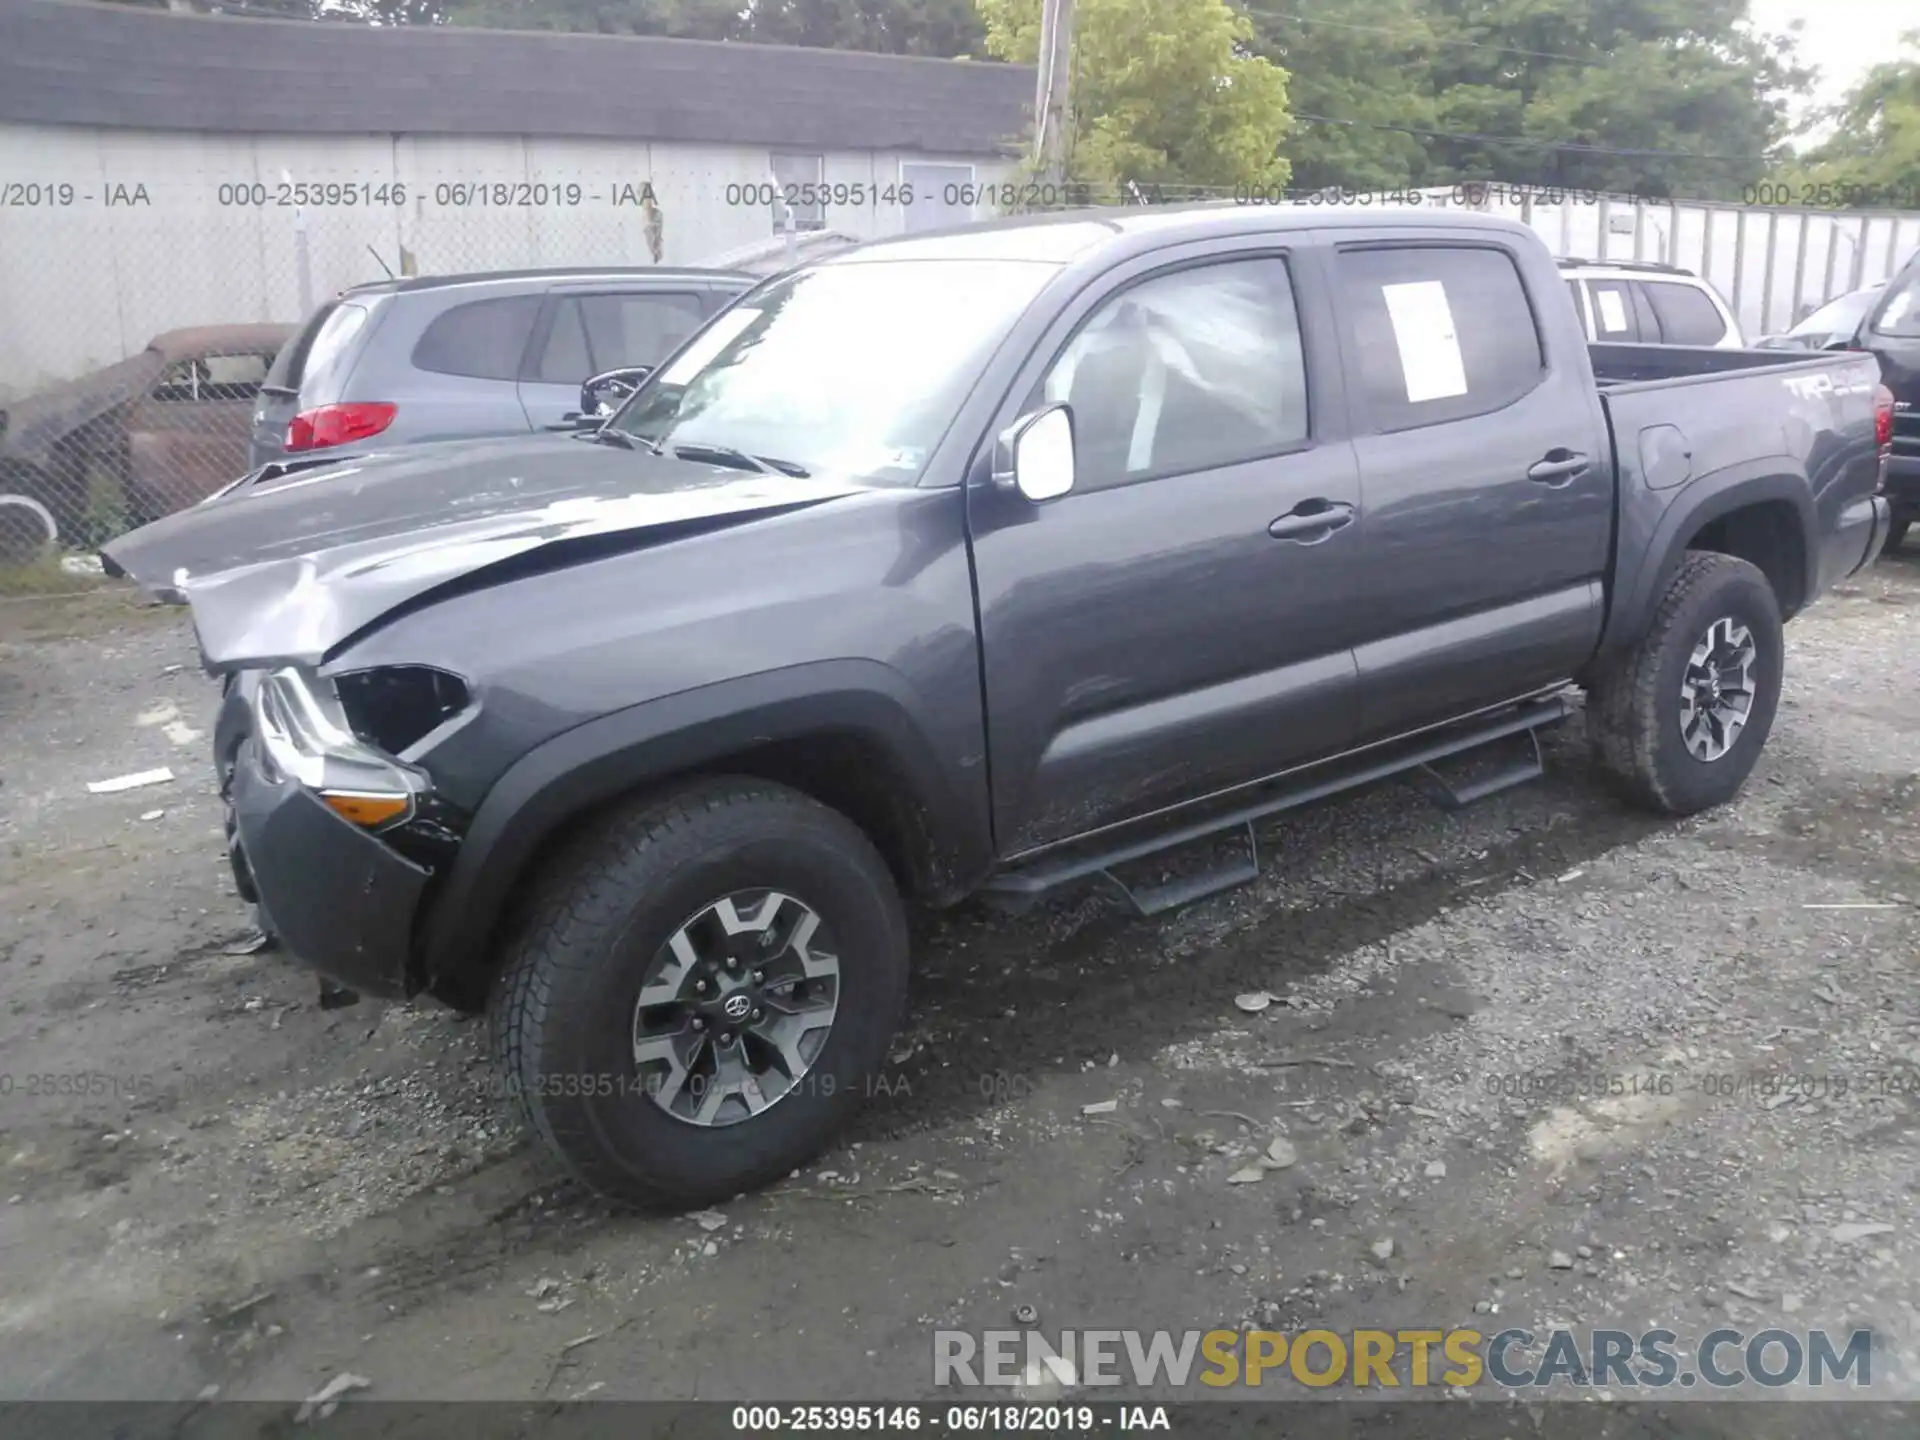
(987, 562)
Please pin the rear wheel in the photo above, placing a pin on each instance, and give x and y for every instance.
(702, 988)
(1678, 721)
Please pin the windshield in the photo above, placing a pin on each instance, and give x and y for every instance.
(1838, 317)
(852, 369)
(1901, 316)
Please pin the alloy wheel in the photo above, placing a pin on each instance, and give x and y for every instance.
(736, 1008)
(1716, 693)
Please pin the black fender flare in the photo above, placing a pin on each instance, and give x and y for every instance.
(1638, 586)
(684, 733)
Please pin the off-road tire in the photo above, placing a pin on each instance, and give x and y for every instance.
(1633, 705)
(562, 1009)
(1895, 536)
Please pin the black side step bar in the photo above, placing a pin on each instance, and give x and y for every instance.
(1155, 899)
(1455, 797)
(1019, 888)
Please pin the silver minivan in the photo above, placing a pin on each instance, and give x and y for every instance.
(453, 357)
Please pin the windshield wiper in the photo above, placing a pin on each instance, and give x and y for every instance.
(607, 435)
(726, 454)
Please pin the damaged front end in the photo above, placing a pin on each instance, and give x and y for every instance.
(334, 829)
(143, 555)
(337, 824)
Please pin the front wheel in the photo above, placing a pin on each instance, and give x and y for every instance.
(703, 988)
(1895, 536)
(1678, 721)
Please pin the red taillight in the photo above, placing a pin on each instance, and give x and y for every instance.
(1883, 417)
(339, 424)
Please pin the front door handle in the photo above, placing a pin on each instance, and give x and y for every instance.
(1558, 468)
(1312, 521)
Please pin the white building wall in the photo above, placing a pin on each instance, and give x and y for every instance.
(108, 237)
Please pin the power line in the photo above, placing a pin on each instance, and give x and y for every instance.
(1428, 39)
(1527, 142)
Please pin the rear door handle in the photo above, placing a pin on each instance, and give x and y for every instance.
(1312, 521)
(1558, 468)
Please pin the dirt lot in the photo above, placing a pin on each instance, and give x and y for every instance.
(207, 1179)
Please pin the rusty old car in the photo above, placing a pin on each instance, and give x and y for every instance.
(139, 439)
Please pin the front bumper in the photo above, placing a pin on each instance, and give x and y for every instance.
(338, 898)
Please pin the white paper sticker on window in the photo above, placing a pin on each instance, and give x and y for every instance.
(1613, 311)
(1429, 345)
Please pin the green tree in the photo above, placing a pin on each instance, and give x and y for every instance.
(682, 19)
(1363, 65)
(947, 28)
(901, 27)
(1164, 92)
(1873, 156)
(385, 12)
(1662, 97)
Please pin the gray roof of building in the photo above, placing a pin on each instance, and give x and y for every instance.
(72, 63)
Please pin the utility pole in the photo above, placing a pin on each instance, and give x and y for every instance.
(1052, 110)
(1042, 79)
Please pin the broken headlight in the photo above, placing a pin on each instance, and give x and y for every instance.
(395, 707)
(305, 736)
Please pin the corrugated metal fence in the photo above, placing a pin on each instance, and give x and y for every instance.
(1772, 263)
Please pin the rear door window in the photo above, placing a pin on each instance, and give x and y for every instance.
(1614, 318)
(628, 330)
(1687, 316)
(1645, 320)
(1451, 326)
(481, 340)
(564, 359)
(1575, 289)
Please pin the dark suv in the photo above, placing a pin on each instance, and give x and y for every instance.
(450, 357)
(1891, 335)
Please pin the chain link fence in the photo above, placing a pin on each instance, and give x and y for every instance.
(139, 321)
(133, 351)
(137, 330)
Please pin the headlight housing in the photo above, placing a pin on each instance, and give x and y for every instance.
(395, 707)
(304, 736)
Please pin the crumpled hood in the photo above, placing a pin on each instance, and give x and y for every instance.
(283, 574)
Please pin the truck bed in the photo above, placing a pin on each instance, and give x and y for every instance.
(1683, 417)
(1616, 364)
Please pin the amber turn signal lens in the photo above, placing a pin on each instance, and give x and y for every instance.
(367, 809)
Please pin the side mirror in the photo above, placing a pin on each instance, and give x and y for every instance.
(606, 392)
(1034, 455)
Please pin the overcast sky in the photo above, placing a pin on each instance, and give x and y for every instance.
(1843, 37)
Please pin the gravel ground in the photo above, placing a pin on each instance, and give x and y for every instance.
(1511, 1057)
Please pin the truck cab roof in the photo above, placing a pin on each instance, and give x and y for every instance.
(1067, 236)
